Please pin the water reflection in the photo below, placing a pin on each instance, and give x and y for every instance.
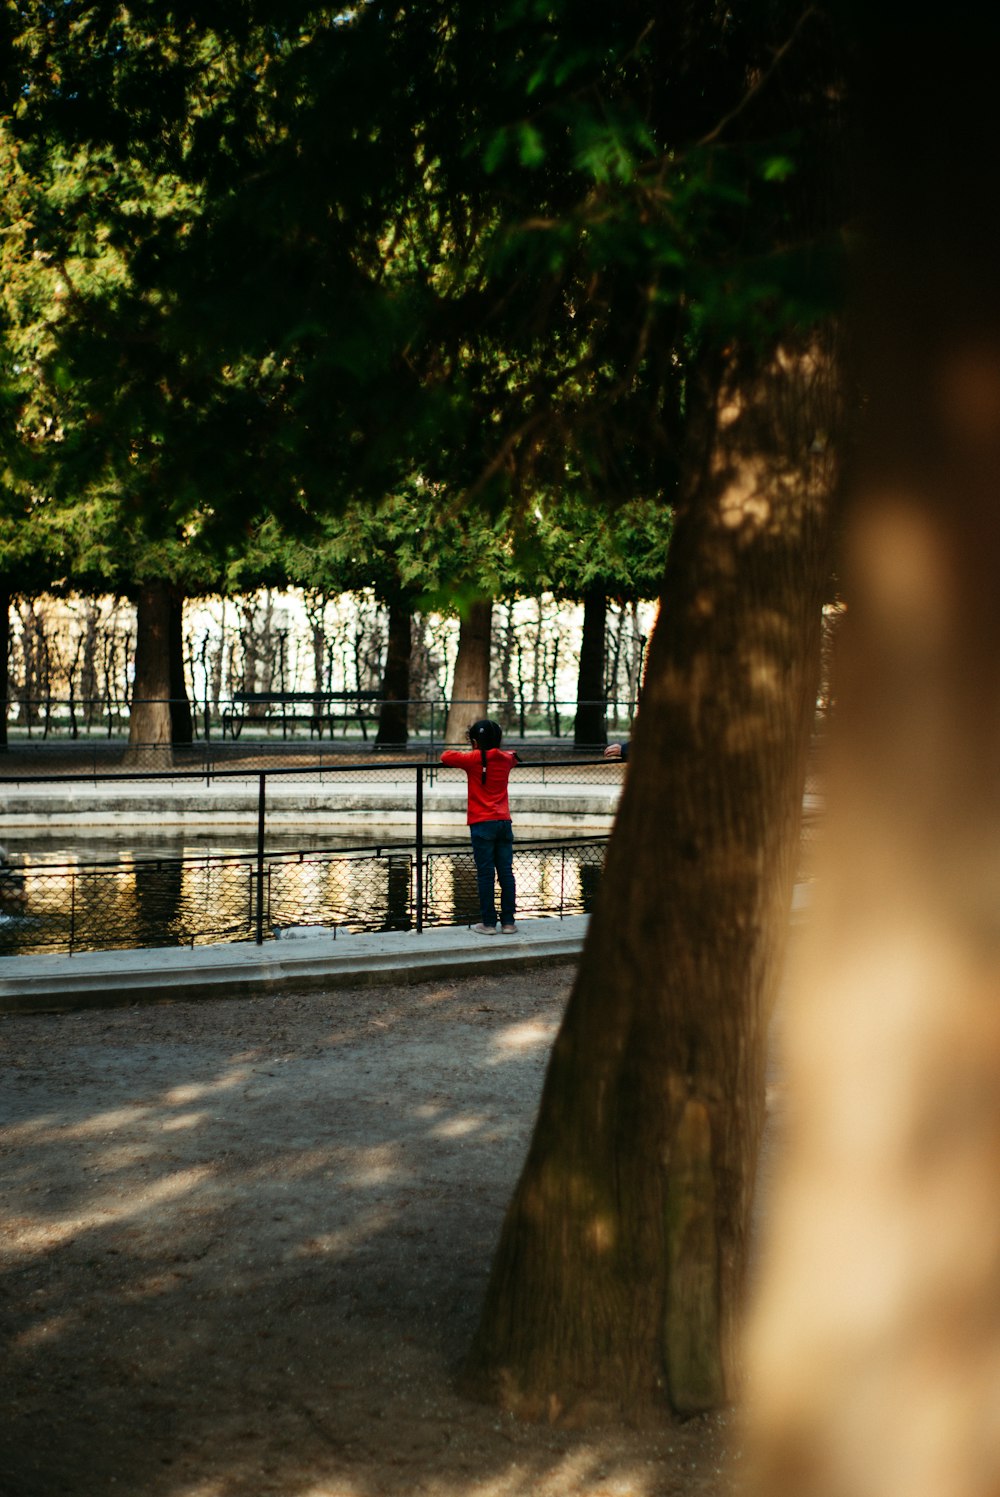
(158, 889)
(398, 894)
(589, 881)
(132, 902)
(132, 843)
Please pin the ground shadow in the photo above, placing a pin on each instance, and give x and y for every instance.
(247, 1240)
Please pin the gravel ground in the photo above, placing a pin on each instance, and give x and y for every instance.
(245, 1242)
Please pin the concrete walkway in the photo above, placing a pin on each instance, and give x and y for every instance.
(326, 959)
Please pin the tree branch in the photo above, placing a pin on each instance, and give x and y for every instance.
(765, 77)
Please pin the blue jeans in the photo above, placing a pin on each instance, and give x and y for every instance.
(493, 850)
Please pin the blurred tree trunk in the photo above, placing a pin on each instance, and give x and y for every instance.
(392, 719)
(471, 687)
(875, 1350)
(591, 727)
(620, 1273)
(150, 725)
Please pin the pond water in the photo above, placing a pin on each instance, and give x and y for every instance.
(97, 845)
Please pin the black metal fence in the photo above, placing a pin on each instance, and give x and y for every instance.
(135, 902)
(290, 717)
(204, 899)
(212, 763)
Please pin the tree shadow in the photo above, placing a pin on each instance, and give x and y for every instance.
(247, 1242)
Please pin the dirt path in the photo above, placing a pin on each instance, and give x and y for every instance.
(244, 1243)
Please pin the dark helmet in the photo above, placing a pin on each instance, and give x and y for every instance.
(484, 735)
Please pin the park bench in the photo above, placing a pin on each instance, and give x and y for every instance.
(316, 708)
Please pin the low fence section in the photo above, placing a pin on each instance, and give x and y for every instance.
(281, 717)
(184, 901)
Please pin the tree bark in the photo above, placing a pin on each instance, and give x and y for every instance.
(471, 687)
(392, 718)
(591, 727)
(181, 721)
(149, 719)
(620, 1272)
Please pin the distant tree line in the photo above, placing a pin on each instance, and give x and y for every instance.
(72, 659)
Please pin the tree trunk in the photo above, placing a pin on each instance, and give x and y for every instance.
(31, 633)
(149, 720)
(591, 726)
(620, 1271)
(507, 709)
(181, 721)
(4, 663)
(471, 687)
(875, 1349)
(392, 717)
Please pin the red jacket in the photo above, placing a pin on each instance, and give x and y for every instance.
(486, 802)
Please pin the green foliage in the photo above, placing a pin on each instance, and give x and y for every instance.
(274, 259)
(570, 546)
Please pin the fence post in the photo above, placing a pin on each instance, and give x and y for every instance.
(420, 849)
(260, 859)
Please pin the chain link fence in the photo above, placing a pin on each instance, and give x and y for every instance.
(185, 901)
(553, 879)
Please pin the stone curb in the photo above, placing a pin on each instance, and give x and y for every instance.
(82, 805)
(113, 979)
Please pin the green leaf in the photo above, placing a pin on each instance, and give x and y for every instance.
(778, 168)
(531, 150)
(495, 151)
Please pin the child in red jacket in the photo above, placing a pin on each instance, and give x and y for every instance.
(488, 768)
